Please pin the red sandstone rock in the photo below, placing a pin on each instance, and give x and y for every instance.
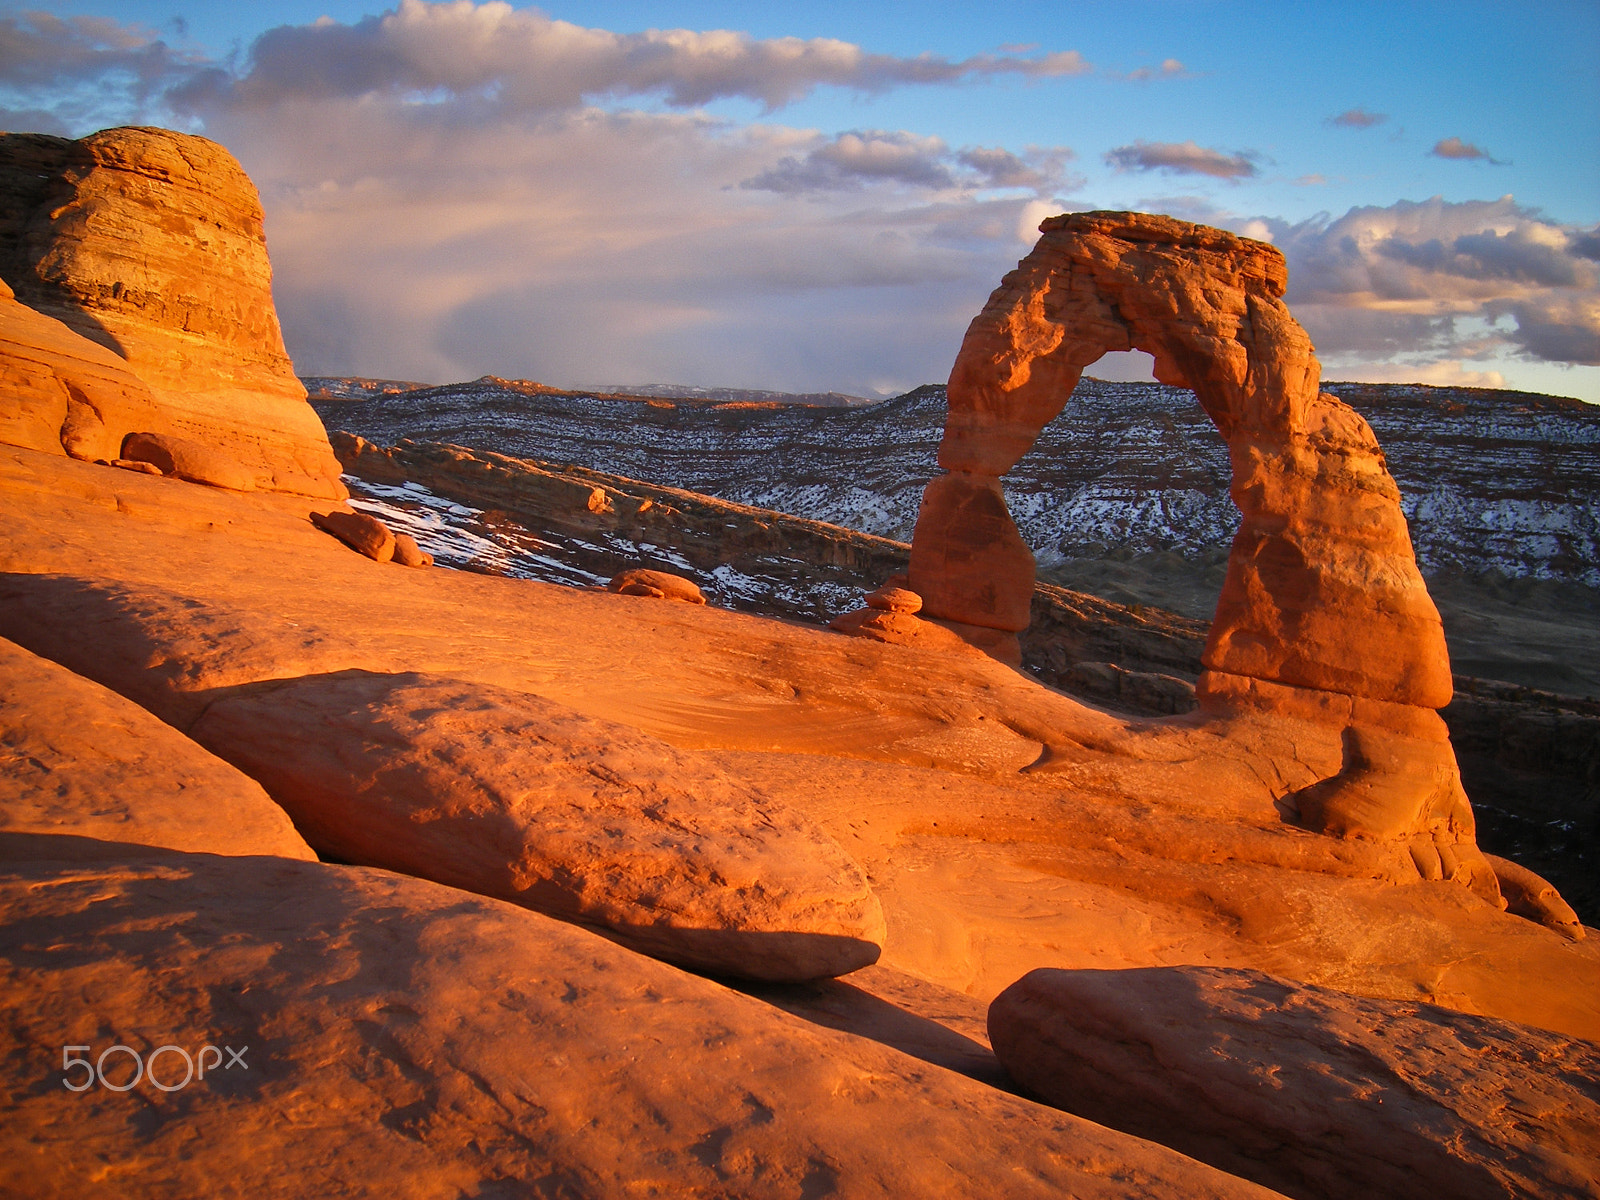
(142, 468)
(409, 1040)
(150, 242)
(968, 562)
(1322, 594)
(362, 533)
(516, 797)
(1528, 895)
(408, 554)
(659, 584)
(1314, 1092)
(1322, 590)
(63, 394)
(81, 761)
(187, 459)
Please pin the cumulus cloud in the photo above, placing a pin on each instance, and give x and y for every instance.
(1460, 279)
(1454, 147)
(1358, 118)
(1182, 158)
(525, 61)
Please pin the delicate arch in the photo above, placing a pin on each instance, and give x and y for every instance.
(1323, 590)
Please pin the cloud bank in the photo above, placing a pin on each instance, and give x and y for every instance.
(458, 188)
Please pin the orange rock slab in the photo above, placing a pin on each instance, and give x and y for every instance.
(1311, 1091)
(403, 1039)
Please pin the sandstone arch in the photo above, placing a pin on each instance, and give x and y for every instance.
(1324, 614)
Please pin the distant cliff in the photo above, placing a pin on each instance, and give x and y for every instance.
(1491, 480)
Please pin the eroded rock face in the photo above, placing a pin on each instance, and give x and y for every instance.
(409, 1040)
(79, 760)
(1322, 596)
(513, 796)
(150, 243)
(63, 394)
(1312, 1092)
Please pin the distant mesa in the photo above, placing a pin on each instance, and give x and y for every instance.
(149, 243)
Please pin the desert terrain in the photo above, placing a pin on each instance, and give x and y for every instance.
(480, 884)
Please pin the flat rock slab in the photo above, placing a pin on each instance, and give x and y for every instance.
(404, 1040)
(514, 796)
(1307, 1090)
(78, 759)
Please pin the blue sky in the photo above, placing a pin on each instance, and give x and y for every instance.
(825, 200)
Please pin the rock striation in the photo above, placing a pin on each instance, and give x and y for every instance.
(1310, 1091)
(150, 243)
(519, 798)
(1323, 615)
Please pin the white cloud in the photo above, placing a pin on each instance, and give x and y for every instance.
(1478, 276)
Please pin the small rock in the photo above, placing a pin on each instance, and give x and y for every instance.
(599, 502)
(894, 599)
(408, 554)
(187, 459)
(361, 533)
(659, 584)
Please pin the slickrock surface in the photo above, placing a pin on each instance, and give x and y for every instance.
(78, 759)
(513, 796)
(1002, 825)
(1312, 1092)
(404, 1039)
(503, 515)
(150, 242)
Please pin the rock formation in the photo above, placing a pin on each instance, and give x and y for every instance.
(1324, 615)
(150, 243)
(513, 796)
(1312, 1092)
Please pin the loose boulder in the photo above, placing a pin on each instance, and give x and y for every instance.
(187, 459)
(1312, 1092)
(408, 554)
(660, 584)
(362, 533)
(513, 796)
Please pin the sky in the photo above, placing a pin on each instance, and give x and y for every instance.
(821, 196)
